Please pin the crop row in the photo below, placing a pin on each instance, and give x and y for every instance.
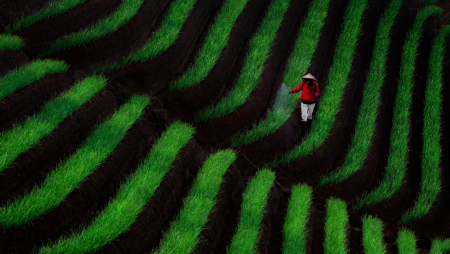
(123, 13)
(336, 226)
(398, 150)
(254, 200)
(52, 9)
(68, 175)
(24, 75)
(121, 211)
(184, 232)
(215, 42)
(365, 125)
(23, 136)
(253, 64)
(431, 149)
(160, 40)
(299, 62)
(336, 82)
(294, 229)
(9, 42)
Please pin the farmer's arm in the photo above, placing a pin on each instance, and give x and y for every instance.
(297, 89)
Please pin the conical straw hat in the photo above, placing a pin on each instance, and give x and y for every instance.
(309, 76)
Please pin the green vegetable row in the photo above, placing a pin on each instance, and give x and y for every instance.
(431, 149)
(336, 223)
(254, 200)
(365, 123)
(26, 74)
(68, 175)
(253, 65)
(439, 246)
(335, 85)
(126, 10)
(9, 42)
(132, 196)
(294, 228)
(406, 242)
(23, 136)
(299, 62)
(398, 150)
(52, 9)
(184, 232)
(160, 40)
(215, 42)
(373, 236)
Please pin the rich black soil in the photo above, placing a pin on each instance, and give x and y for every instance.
(153, 78)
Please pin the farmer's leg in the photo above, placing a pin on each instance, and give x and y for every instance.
(310, 110)
(304, 108)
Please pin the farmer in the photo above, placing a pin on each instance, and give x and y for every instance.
(308, 99)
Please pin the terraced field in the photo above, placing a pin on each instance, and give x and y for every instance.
(165, 126)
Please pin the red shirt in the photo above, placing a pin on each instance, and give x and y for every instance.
(308, 94)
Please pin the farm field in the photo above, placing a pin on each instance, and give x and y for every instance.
(120, 120)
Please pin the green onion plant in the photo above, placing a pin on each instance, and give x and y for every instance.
(9, 42)
(335, 85)
(368, 111)
(122, 210)
(253, 66)
(215, 42)
(299, 62)
(124, 12)
(397, 158)
(294, 229)
(52, 9)
(23, 136)
(254, 200)
(69, 174)
(184, 232)
(24, 75)
(432, 132)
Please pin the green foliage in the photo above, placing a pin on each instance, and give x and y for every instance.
(132, 196)
(439, 246)
(52, 9)
(126, 10)
(160, 40)
(68, 175)
(299, 62)
(294, 229)
(397, 158)
(365, 124)
(184, 232)
(9, 42)
(31, 72)
(337, 80)
(431, 149)
(335, 227)
(214, 43)
(406, 242)
(252, 212)
(428, 2)
(253, 65)
(22, 137)
(373, 236)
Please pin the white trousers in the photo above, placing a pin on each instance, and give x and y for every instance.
(307, 110)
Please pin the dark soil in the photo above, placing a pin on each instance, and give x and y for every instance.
(153, 78)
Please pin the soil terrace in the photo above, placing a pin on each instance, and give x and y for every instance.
(153, 78)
